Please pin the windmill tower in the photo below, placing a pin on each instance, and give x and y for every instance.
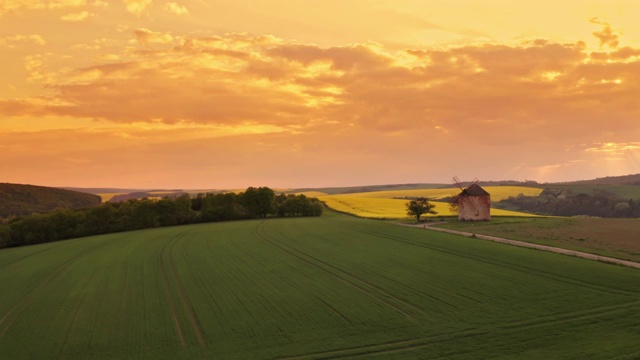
(474, 202)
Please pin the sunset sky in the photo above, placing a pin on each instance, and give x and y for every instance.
(293, 93)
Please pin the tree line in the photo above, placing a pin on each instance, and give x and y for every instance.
(563, 202)
(109, 217)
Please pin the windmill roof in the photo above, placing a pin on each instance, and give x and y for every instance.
(475, 190)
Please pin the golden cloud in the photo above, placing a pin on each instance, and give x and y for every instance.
(16, 40)
(615, 147)
(493, 93)
(75, 17)
(137, 7)
(176, 8)
(146, 37)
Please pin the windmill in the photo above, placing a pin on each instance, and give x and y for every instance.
(473, 202)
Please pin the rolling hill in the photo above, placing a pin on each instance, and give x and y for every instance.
(329, 287)
(633, 179)
(18, 199)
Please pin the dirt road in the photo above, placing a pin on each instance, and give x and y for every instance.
(530, 245)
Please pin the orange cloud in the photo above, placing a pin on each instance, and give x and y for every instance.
(606, 35)
(241, 78)
(361, 103)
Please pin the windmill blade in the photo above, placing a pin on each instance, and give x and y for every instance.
(457, 182)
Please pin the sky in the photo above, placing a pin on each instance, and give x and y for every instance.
(194, 94)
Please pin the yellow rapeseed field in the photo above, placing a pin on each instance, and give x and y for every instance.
(107, 196)
(311, 193)
(497, 192)
(391, 204)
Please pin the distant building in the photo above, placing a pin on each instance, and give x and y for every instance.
(474, 204)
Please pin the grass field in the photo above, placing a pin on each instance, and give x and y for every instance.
(391, 204)
(619, 238)
(331, 287)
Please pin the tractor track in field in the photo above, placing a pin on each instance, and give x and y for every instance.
(26, 257)
(167, 293)
(344, 276)
(494, 330)
(31, 295)
(185, 301)
(522, 268)
(169, 270)
(334, 310)
(72, 323)
(386, 347)
(123, 298)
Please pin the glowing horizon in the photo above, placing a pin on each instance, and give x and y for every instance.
(196, 94)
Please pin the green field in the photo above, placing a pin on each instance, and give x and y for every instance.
(331, 287)
(619, 238)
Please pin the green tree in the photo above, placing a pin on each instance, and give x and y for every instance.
(297, 205)
(221, 207)
(259, 201)
(5, 236)
(100, 219)
(419, 207)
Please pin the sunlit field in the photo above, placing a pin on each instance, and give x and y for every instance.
(330, 287)
(391, 204)
(311, 193)
(107, 196)
(497, 193)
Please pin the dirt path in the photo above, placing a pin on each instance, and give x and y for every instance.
(529, 245)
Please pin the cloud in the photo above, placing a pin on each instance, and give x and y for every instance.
(148, 37)
(75, 17)
(176, 8)
(491, 97)
(606, 35)
(7, 6)
(17, 40)
(60, 4)
(137, 7)
(615, 148)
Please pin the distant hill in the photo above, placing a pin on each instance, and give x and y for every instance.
(18, 199)
(609, 180)
(366, 188)
(145, 194)
(97, 191)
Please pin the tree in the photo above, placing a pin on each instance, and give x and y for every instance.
(259, 202)
(297, 205)
(419, 207)
(453, 205)
(5, 235)
(221, 207)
